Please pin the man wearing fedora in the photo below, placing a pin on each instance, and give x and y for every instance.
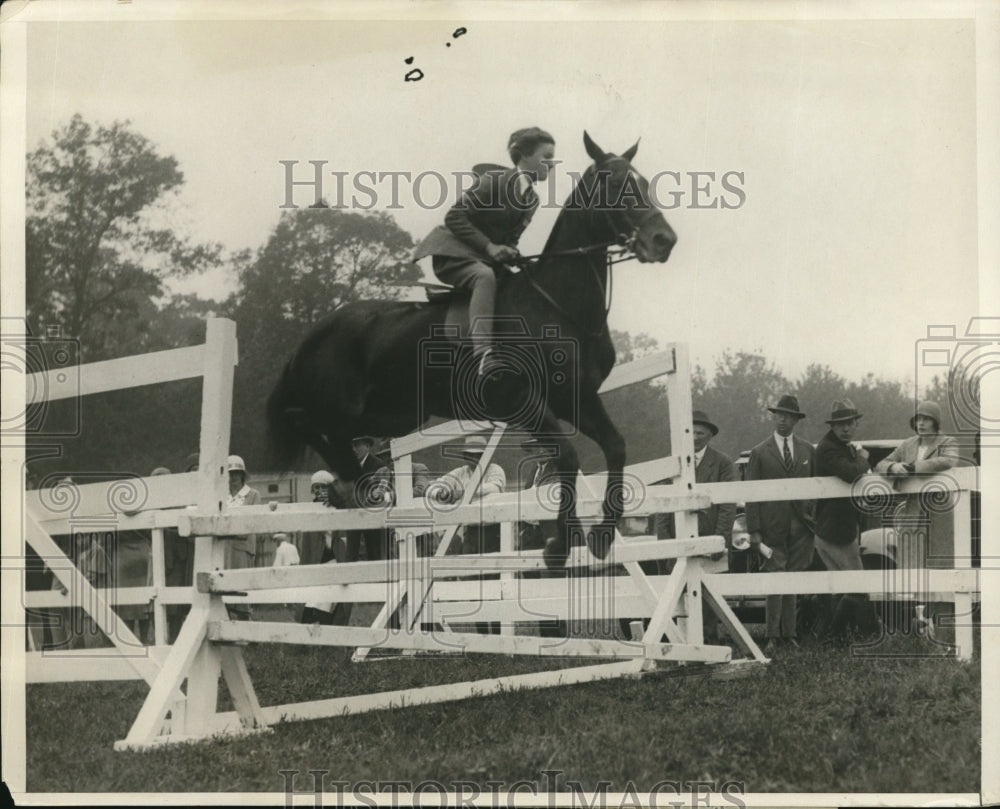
(838, 523)
(783, 525)
(711, 466)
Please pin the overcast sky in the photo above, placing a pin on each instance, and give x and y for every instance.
(856, 141)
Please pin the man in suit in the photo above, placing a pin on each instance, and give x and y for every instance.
(784, 525)
(838, 523)
(711, 466)
(481, 232)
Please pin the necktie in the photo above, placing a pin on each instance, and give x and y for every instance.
(789, 464)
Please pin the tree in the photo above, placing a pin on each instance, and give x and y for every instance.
(315, 260)
(743, 386)
(95, 261)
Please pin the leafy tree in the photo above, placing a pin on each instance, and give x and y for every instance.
(743, 386)
(96, 260)
(315, 260)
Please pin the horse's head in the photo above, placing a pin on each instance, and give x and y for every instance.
(617, 198)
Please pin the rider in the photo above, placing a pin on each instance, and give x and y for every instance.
(481, 231)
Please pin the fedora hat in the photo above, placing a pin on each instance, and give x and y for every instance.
(843, 410)
(788, 404)
(929, 409)
(474, 445)
(360, 439)
(701, 417)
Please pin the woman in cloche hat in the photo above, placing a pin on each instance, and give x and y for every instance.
(927, 453)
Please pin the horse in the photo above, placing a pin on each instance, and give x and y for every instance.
(387, 367)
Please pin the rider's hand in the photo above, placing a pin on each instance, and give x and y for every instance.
(502, 252)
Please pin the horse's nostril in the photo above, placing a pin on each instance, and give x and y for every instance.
(661, 241)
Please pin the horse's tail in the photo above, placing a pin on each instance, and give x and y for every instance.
(285, 435)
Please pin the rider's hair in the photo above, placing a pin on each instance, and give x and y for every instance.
(525, 141)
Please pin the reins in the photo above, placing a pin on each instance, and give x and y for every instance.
(623, 252)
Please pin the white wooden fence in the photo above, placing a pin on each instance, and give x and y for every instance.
(418, 590)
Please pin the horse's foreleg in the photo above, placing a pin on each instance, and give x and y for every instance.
(596, 424)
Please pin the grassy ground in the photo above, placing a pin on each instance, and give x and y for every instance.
(816, 719)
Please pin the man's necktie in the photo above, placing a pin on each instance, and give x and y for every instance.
(789, 463)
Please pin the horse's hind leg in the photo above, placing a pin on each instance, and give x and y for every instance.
(567, 465)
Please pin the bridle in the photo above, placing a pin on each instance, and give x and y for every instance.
(617, 250)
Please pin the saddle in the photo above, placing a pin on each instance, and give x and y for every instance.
(441, 293)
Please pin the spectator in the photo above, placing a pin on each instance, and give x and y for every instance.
(384, 492)
(178, 565)
(240, 551)
(784, 525)
(711, 466)
(362, 446)
(315, 544)
(838, 523)
(452, 488)
(286, 554)
(532, 534)
(925, 530)
(95, 566)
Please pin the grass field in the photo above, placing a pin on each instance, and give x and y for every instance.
(816, 720)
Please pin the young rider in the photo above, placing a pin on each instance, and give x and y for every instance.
(481, 232)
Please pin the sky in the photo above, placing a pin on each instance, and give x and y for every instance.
(854, 142)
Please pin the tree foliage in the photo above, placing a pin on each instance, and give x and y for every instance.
(95, 259)
(315, 261)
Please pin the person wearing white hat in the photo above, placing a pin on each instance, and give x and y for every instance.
(286, 554)
(240, 551)
(450, 488)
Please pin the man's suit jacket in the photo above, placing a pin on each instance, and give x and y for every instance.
(491, 211)
(774, 519)
(837, 520)
(717, 518)
(366, 481)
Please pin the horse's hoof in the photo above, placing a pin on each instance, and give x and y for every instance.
(600, 539)
(555, 554)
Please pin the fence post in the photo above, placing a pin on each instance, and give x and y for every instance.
(213, 491)
(962, 533)
(159, 580)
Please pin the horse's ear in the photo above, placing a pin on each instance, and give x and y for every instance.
(596, 152)
(630, 153)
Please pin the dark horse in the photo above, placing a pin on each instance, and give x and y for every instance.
(384, 368)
